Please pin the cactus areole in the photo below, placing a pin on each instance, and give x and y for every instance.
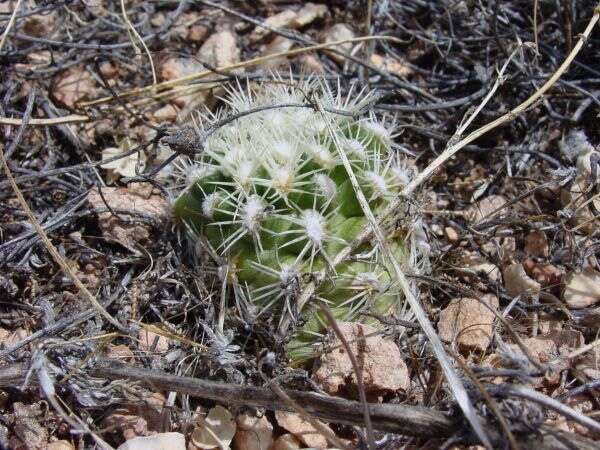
(270, 197)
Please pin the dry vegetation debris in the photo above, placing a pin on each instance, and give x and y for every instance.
(86, 113)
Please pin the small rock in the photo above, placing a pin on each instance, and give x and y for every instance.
(339, 32)
(220, 50)
(161, 441)
(73, 85)
(383, 368)
(545, 274)
(174, 68)
(311, 64)
(451, 234)
(148, 338)
(119, 352)
(301, 429)
(536, 244)
(109, 69)
(582, 289)
(167, 113)
(281, 20)
(197, 33)
(549, 346)
(391, 65)
(60, 445)
(253, 433)
(479, 264)
(468, 321)
(124, 198)
(517, 282)
(286, 442)
(41, 58)
(129, 425)
(308, 14)
(278, 45)
(218, 424)
(484, 207)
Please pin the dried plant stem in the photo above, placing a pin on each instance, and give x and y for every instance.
(10, 24)
(453, 148)
(251, 62)
(73, 118)
(139, 38)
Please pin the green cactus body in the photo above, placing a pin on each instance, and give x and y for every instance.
(272, 198)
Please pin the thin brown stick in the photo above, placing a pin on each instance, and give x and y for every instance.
(402, 419)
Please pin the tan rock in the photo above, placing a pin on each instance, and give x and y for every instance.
(174, 68)
(582, 289)
(130, 425)
(549, 346)
(216, 430)
(536, 244)
(41, 58)
(167, 113)
(60, 445)
(545, 274)
(281, 20)
(197, 33)
(160, 441)
(286, 442)
(122, 198)
(308, 14)
(301, 429)
(339, 32)
(483, 208)
(311, 64)
(278, 45)
(469, 322)
(109, 69)
(220, 50)
(391, 65)
(517, 282)
(119, 352)
(478, 264)
(73, 85)
(253, 433)
(384, 370)
(451, 234)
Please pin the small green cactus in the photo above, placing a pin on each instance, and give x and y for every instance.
(269, 195)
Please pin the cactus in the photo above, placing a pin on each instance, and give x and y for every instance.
(270, 197)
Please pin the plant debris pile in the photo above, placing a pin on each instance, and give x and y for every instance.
(110, 109)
